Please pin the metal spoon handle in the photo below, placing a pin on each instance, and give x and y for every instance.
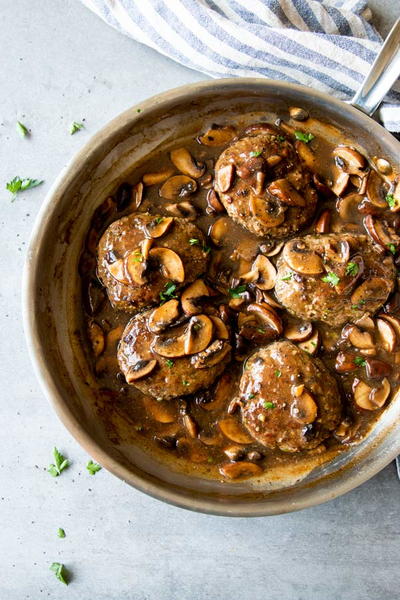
(382, 75)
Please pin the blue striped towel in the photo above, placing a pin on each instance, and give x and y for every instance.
(326, 44)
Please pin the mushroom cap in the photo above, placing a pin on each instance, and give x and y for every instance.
(172, 376)
(125, 238)
(331, 295)
(290, 400)
(263, 185)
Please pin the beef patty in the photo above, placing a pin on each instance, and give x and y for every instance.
(333, 278)
(263, 185)
(290, 400)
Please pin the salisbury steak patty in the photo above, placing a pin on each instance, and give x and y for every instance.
(291, 401)
(333, 278)
(139, 254)
(180, 360)
(263, 185)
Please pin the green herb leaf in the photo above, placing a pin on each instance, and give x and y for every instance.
(260, 330)
(253, 153)
(169, 363)
(268, 405)
(251, 396)
(237, 291)
(138, 110)
(159, 220)
(59, 570)
(351, 268)
(22, 129)
(184, 382)
(75, 127)
(391, 200)
(304, 137)
(281, 138)
(287, 277)
(61, 532)
(360, 361)
(17, 185)
(93, 467)
(60, 463)
(206, 249)
(392, 248)
(278, 373)
(194, 242)
(168, 291)
(331, 278)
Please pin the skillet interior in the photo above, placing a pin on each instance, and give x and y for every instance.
(51, 291)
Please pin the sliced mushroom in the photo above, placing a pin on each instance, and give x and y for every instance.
(304, 408)
(266, 272)
(222, 394)
(380, 233)
(323, 222)
(394, 322)
(370, 398)
(224, 178)
(286, 193)
(213, 203)
(365, 322)
(139, 370)
(375, 289)
(219, 230)
(211, 356)
(234, 431)
(145, 246)
(358, 338)
(298, 114)
(234, 453)
(345, 362)
(159, 226)
(135, 267)
(249, 276)
(272, 249)
(217, 136)
(137, 196)
(387, 335)
(273, 160)
(96, 337)
(157, 178)
(240, 470)
(383, 166)
(307, 156)
(259, 185)
(377, 369)
(267, 316)
(178, 186)
(117, 270)
(191, 426)
(161, 411)
(268, 215)
(198, 335)
(163, 316)
(184, 161)
(375, 190)
(170, 262)
(298, 332)
(302, 260)
(169, 346)
(340, 183)
(220, 329)
(349, 159)
(182, 209)
(311, 346)
(193, 296)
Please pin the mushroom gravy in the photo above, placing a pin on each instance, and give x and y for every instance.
(221, 317)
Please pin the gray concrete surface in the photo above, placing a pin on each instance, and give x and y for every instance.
(59, 63)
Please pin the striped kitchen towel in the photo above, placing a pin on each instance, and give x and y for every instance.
(326, 44)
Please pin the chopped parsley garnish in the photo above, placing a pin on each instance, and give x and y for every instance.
(287, 277)
(268, 405)
(168, 291)
(17, 185)
(391, 200)
(260, 330)
(251, 396)
(22, 129)
(304, 137)
(93, 467)
(281, 138)
(278, 373)
(75, 127)
(138, 110)
(351, 268)
(194, 241)
(255, 154)
(206, 249)
(331, 278)
(358, 306)
(392, 248)
(237, 291)
(186, 383)
(158, 220)
(360, 361)
(61, 532)
(137, 256)
(59, 571)
(169, 363)
(60, 463)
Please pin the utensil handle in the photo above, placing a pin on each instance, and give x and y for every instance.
(382, 75)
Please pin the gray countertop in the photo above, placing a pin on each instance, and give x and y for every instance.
(59, 63)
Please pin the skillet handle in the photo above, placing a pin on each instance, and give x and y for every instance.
(382, 75)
